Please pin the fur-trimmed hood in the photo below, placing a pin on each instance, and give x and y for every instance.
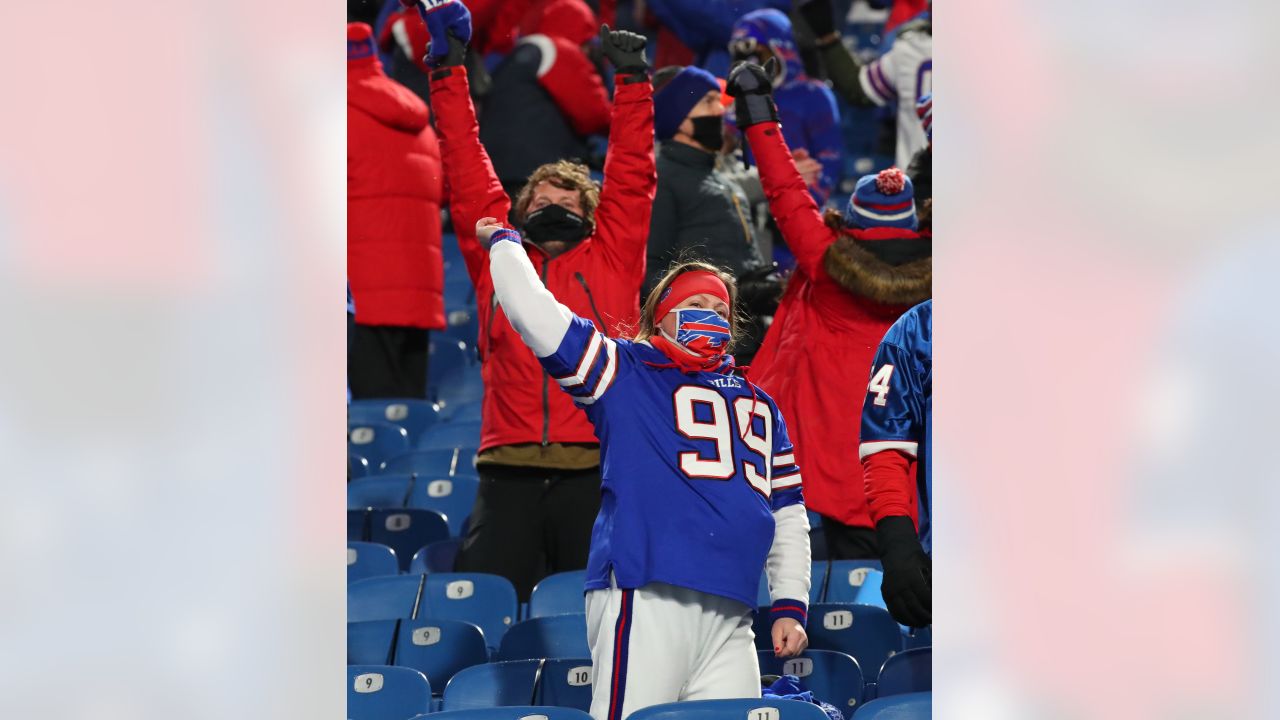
(858, 270)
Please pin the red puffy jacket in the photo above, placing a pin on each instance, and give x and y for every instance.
(598, 279)
(816, 359)
(394, 188)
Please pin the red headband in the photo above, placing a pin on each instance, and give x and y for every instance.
(685, 286)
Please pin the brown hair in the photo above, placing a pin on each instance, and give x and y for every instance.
(833, 219)
(926, 215)
(649, 327)
(566, 175)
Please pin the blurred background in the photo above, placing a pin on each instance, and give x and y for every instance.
(172, 228)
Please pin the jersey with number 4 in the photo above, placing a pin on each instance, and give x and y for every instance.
(693, 466)
(898, 411)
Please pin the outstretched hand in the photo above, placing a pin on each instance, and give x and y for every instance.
(624, 49)
(449, 22)
(489, 231)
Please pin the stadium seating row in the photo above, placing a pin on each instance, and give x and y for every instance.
(561, 690)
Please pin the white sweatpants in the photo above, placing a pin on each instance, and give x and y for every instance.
(661, 643)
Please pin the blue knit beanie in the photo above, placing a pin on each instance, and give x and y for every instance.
(671, 104)
(882, 200)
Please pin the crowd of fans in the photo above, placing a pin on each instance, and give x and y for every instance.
(825, 226)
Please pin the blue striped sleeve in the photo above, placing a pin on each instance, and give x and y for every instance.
(585, 364)
(785, 488)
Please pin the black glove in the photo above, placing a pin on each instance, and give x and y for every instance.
(750, 86)
(907, 586)
(819, 15)
(624, 49)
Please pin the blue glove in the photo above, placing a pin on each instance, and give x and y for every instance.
(443, 18)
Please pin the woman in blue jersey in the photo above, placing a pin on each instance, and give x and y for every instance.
(700, 492)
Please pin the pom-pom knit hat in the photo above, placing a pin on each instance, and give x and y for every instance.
(882, 200)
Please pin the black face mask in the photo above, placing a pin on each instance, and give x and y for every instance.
(708, 131)
(553, 222)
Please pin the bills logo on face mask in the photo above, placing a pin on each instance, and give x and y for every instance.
(702, 331)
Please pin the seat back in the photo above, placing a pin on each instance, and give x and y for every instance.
(552, 636)
(488, 601)
(366, 560)
(414, 415)
(559, 594)
(385, 598)
(376, 441)
(907, 672)
(846, 578)
(743, 709)
(439, 556)
(452, 497)
(382, 692)
(526, 712)
(492, 685)
(832, 676)
(450, 435)
(406, 529)
(439, 648)
(379, 491)
(912, 706)
(566, 682)
(369, 642)
(867, 633)
(445, 462)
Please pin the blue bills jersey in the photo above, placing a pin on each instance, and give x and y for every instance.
(693, 466)
(898, 411)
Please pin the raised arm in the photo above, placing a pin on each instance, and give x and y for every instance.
(581, 359)
(475, 191)
(843, 68)
(789, 199)
(630, 174)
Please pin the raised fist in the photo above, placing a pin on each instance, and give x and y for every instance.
(624, 49)
(751, 87)
(449, 22)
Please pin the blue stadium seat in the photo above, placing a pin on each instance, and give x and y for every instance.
(431, 463)
(815, 520)
(437, 557)
(439, 648)
(369, 560)
(357, 525)
(566, 682)
(369, 643)
(845, 579)
(553, 636)
(742, 709)
(458, 293)
(406, 529)
(816, 574)
(445, 356)
(867, 633)
(450, 435)
(376, 441)
(463, 324)
(451, 497)
(513, 712)
(907, 672)
(869, 592)
(462, 387)
(833, 677)
(493, 685)
(488, 601)
(465, 412)
(918, 637)
(384, 598)
(559, 594)
(912, 706)
(357, 466)
(382, 692)
(414, 415)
